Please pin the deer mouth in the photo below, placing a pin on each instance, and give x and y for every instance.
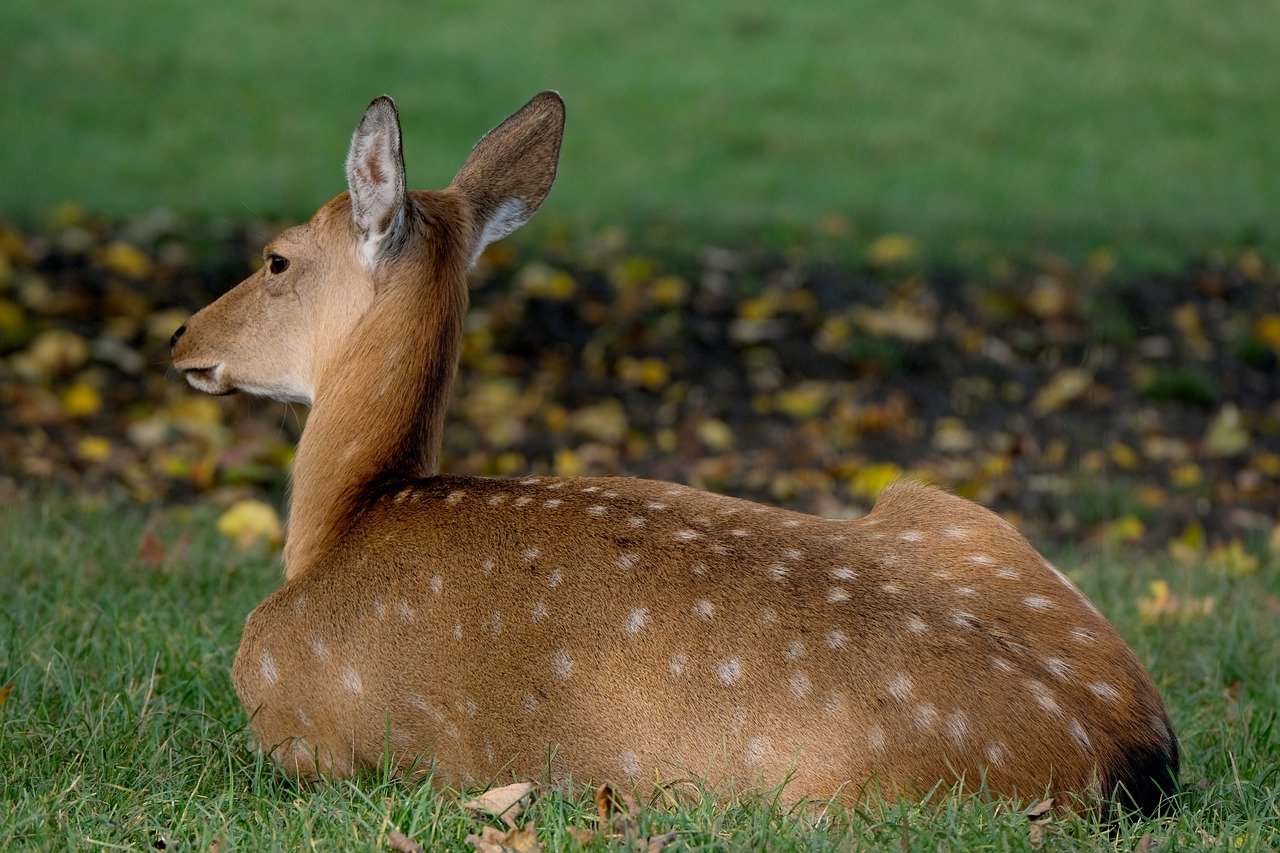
(209, 379)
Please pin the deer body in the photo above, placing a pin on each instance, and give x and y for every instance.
(617, 628)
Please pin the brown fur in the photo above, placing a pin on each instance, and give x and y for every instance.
(629, 629)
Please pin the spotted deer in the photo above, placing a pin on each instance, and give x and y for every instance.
(613, 628)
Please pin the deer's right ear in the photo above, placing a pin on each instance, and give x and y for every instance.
(511, 169)
(375, 177)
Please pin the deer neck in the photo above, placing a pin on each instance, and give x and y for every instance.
(378, 414)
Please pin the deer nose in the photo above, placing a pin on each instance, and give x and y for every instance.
(173, 342)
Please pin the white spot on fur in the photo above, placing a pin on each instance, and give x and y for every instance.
(739, 531)
(530, 703)
(539, 611)
(299, 604)
(916, 625)
(1104, 691)
(1083, 635)
(404, 611)
(561, 664)
(687, 535)
(1001, 664)
(677, 663)
(656, 507)
(497, 500)
(636, 620)
(597, 510)
(552, 503)
(555, 484)
(900, 687)
(793, 651)
(303, 718)
(996, 753)
(890, 588)
(469, 707)
(609, 494)
(319, 649)
(1044, 697)
(437, 584)
(523, 500)
(1006, 573)
(954, 532)
(767, 616)
(1057, 667)
(590, 489)
(531, 481)
(911, 536)
(758, 748)
(457, 630)
(925, 716)
(837, 594)
(636, 521)
(961, 619)
(778, 572)
(628, 560)
(494, 623)
(350, 680)
(454, 496)
(844, 573)
(269, 673)
(791, 522)
(704, 608)
(555, 578)
(981, 560)
(966, 591)
(1079, 734)
(837, 639)
(530, 554)
(487, 566)
(800, 684)
(379, 607)
(729, 670)
(629, 763)
(876, 739)
(1037, 602)
(791, 554)
(957, 727)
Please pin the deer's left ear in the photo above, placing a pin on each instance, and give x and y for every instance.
(375, 177)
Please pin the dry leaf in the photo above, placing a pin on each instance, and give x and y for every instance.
(1060, 390)
(893, 249)
(248, 522)
(506, 803)
(611, 803)
(1144, 843)
(402, 843)
(493, 840)
(1227, 435)
(151, 548)
(1040, 817)
(4, 694)
(656, 843)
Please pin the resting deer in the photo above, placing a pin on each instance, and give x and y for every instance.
(617, 628)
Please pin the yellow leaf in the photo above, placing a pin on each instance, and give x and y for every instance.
(1233, 560)
(1124, 456)
(804, 401)
(11, 318)
(1188, 548)
(567, 463)
(193, 412)
(760, 308)
(951, 436)
(668, 291)
(127, 260)
(1126, 529)
(506, 803)
(715, 435)
(81, 400)
(648, 373)
(871, 480)
(892, 249)
(93, 448)
(1227, 434)
(58, 351)
(1267, 331)
(1062, 389)
(605, 421)
(248, 522)
(1187, 475)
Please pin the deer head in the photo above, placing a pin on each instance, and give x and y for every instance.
(280, 331)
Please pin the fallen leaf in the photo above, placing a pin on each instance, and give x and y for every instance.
(506, 803)
(402, 843)
(493, 840)
(93, 448)
(612, 802)
(1233, 560)
(151, 548)
(248, 522)
(1040, 817)
(715, 435)
(1064, 387)
(656, 843)
(126, 259)
(892, 249)
(4, 694)
(1227, 434)
(1144, 843)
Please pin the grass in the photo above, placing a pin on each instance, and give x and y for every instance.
(121, 726)
(1032, 120)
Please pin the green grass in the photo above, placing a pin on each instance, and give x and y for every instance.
(1031, 120)
(121, 726)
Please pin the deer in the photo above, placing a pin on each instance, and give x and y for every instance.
(468, 630)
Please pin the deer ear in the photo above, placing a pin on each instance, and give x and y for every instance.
(511, 169)
(375, 177)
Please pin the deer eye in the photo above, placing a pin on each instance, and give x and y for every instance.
(277, 263)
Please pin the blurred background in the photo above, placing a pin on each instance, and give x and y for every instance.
(1026, 249)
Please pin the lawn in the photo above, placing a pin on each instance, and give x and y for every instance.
(120, 728)
(1032, 122)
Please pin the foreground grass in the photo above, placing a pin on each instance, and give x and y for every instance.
(1031, 118)
(121, 728)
